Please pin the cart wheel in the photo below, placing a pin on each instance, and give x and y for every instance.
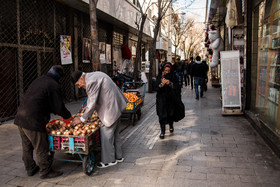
(88, 163)
(139, 114)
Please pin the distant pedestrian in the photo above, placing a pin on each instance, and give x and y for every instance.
(205, 76)
(198, 70)
(191, 71)
(180, 71)
(186, 73)
(42, 98)
(168, 99)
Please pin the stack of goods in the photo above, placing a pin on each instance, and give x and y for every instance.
(63, 127)
(133, 99)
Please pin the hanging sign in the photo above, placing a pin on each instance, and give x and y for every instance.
(102, 51)
(108, 54)
(65, 50)
(86, 50)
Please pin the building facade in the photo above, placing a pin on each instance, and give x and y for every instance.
(255, 32)
(30, 40)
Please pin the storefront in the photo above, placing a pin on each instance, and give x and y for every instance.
(268, 64)
(258, 40)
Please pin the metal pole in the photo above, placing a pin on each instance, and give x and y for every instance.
(169, 50)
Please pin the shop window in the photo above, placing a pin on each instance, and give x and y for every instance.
(268, 83)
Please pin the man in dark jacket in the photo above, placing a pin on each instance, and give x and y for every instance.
(42, 98)
(198, 71)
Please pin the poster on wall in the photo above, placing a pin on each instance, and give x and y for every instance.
(86, 50)
(108, 54)
(145, 66)
(102, 51)
(230, 80)
(65, 50)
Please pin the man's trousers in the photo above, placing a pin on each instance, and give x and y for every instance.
(110, 143)
(38, 141)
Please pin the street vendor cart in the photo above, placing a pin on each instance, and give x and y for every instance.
(80, 139)
(135, 93)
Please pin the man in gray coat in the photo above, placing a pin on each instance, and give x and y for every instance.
(109, 102)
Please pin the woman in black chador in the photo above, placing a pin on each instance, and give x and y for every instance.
(169, 105)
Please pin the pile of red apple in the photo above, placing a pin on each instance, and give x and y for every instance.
(61, 127)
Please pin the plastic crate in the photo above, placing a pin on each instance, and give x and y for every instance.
(57, 142)
(79, 143)
(73, 144)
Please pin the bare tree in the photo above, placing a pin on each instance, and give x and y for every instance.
(140, 26)
(94, 35)
(181, 26)
(193, 41)
(163, 6)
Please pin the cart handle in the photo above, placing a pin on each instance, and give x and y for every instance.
(130, 82)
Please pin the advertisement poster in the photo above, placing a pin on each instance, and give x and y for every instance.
(102, 51)
(86, 50)
(108, 54)
(65, 50)
(230, 77)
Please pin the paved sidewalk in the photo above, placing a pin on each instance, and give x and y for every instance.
(206, 149)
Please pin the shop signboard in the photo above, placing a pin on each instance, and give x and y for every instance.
(230, 81)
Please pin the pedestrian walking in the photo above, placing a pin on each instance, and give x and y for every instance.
(190, 71)
(168, 99)
(109, 102)
(205, 76)
(186, 73)
(180, 71)
(199, 69)
(42, 98)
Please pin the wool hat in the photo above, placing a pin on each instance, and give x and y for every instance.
(76, 76)
(57, 71)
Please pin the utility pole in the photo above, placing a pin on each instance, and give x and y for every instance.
(94, 36)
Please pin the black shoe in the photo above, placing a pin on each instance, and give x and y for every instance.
(33, 171)
(196, 98)
(171, 130)
(161, 136)
(51, 174)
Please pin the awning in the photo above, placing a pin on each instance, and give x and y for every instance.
(216, 11)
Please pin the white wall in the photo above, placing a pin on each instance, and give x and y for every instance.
(125, 12)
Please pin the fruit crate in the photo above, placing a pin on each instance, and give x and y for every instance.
(131, 106)
(133, 110)
(73, 144)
